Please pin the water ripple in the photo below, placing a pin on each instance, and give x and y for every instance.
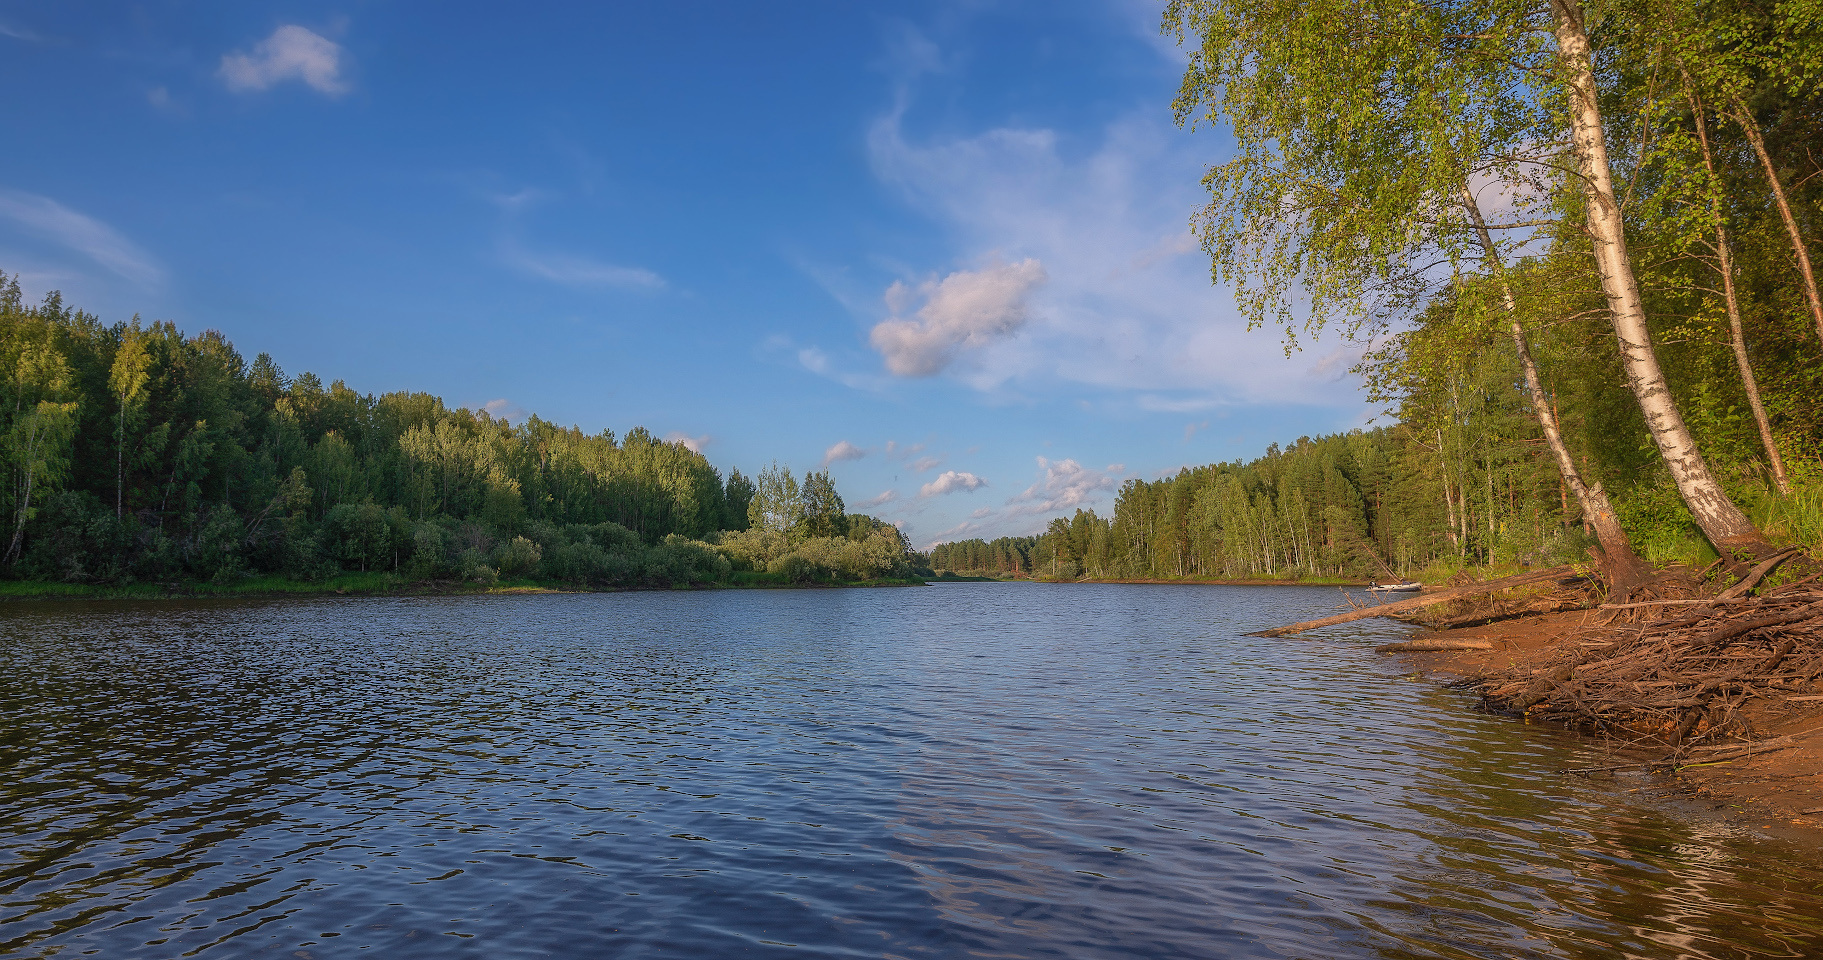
(1007, 770)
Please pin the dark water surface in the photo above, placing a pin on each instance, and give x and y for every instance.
(979, 770)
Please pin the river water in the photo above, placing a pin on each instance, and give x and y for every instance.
(967, 770)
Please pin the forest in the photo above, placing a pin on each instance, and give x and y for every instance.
(137, 454)
(1573, 246)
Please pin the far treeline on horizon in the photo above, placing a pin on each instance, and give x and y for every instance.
(1573, 243)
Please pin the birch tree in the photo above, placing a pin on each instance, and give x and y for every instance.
(1358, 126)
(1363, 133)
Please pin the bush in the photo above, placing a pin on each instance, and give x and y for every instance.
(517, 558)
(366, 536)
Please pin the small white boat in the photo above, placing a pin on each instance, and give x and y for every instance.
(1408, 586)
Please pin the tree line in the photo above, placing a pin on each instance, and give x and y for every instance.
(136, 453)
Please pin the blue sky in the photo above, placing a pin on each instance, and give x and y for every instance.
(940, 247)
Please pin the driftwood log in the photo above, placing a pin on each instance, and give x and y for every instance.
(1424, 600)
(1434, 646)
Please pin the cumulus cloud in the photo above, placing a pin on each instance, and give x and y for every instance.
(690, 443)
(880, 499)
(951, 481)
(1065, 485)
(79, 232)
(291, 53)
(842, 450)
(966, 310)
(1128, 305)
(925, 463)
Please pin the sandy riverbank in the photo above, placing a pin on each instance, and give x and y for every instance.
(1784, 786)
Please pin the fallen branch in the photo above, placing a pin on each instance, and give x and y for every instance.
(1757, 574)
(1429, 646)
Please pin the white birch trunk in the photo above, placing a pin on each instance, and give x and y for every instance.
(1721, 521)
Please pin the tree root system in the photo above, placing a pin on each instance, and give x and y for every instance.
(1682, 667)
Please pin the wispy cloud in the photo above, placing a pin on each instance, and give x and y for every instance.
(577, 271)
(881, 499)
(900, 451)
(291, 53)
(842, 450)
(19, 33)
(951, 481)
(818, 361)
(925, 463)
(690, 443)
(966, 310)
(79, 232)
(503, 409)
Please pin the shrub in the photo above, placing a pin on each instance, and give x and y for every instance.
(517, 558)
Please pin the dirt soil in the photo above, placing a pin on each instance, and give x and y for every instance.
(1785, 786)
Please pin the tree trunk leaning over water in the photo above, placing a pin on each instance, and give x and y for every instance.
(1723, 523)
(1724, 254)
(1619, 562)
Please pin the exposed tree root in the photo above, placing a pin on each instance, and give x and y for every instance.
(1675, 667)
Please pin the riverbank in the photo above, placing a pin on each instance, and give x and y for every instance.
(951, 576)
(1782, 788)
(388, 585)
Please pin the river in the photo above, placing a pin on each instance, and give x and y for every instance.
(979, 770)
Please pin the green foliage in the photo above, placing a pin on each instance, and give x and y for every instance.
(135, 453)
(1357, 129)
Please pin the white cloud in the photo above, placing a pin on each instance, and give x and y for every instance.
(81, 233)
(925, 463)
(1065, 485)
(503, 409)
(951, 481)
(1128, 305)
(580, 271)
(882, 498)
(690, 443)
(965, 310)
(842, 450)
(291, 53)
(899, 451)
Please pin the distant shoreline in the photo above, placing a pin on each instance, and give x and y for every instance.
(375, 585)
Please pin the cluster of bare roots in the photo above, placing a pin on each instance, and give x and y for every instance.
(1676, 668)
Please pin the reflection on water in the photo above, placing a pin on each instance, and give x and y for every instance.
(1006, 770)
